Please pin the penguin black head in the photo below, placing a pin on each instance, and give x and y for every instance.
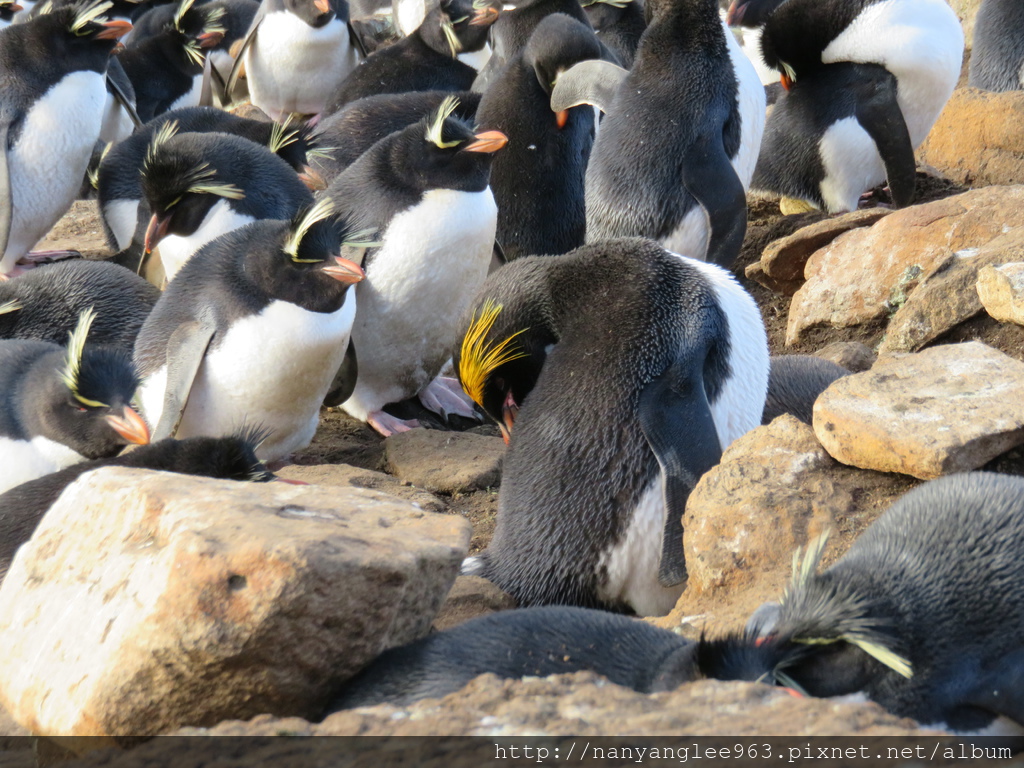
(7, 10)
(298, 145)
(442, 152)
(316, 13)
(192, 30)
(180, 184)
(88, 404)
(558, 43)
(459, 26)
(78, 33)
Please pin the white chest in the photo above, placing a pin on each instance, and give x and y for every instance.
(191, 97)
(750, 102)
(122, 218)
(851, 163)
(175, 250)
(24, 460)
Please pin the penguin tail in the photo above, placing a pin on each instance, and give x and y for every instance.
(476, 566)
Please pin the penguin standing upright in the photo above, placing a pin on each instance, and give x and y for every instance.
(626, 371)
(53, 71)
(680, 137)
(295, 54)
(537, 179)
(619, 24)
(425, 191)
(251, 333)
(997, 57)
(60, 406)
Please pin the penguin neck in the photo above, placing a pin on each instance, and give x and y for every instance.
(40, 387)
(684, 15)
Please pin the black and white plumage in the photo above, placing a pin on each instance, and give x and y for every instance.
(997, 55)
(44, 304)
(251, 334)
(52, 65)
(626, 369)
(60, 406)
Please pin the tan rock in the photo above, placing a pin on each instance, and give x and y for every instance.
(347, 476)
(966, 11)
(947, 409)
(947, 295)
(852, 355)
(1001, 291)
(471, 597)
(977, 139)
(866, 274)
(148, 601)
(445, 462)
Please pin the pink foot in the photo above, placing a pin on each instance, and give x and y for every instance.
(35, 258)
(388, 425)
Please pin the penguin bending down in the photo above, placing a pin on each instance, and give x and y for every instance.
(199, 186)
(45, 304)
(54, 68)
(61, 406)
(226, 458)
(425, 191)
(251, 334)
(627, 370)
(696, 204)
(997, 57)
(619, 24)
(794, 383)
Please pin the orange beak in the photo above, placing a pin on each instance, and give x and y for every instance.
(345, 271)
(115, 29)
(14, 8)
(324, 6)
(312, 179)
(509, 411)
(130, 426)
(561, 118)
(787, 81)
(210, 39)
(156, 231)
(484, 17)
(488, 141)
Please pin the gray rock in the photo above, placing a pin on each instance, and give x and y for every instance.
(445, 462)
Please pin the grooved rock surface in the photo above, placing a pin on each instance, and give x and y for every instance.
(445, 462)
(148, 601)
(947, 409)
(347, 476)
(1001, 291)
(867, 274)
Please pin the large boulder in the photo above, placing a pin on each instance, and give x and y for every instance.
(1001, 291)
(445, 462)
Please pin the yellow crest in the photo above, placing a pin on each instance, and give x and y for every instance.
(435, 129)
(10, 306)
(480, 357)
(73, 361)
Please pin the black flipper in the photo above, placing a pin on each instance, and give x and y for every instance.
(185, 352)
(593, 82)
(880, 115)
(345, 379)
(250, 36)
(710, 179)
(356, 39)
(206, 91)
(6, 201)
(498, 258)
(122, 99)
(675, 416)
(1001, 689)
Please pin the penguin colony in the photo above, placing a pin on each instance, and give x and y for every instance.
(525, 213)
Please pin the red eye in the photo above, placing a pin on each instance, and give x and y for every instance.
(81, 410)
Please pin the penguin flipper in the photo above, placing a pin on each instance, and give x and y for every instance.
(250, 38)
(122, 99)
(880, 115)
(356, 39)
(6, 201)
(185, 352)
(711, 180)
(498, 257)
(593, 82)
(344, 382)
(674, 412)
(1001, 690)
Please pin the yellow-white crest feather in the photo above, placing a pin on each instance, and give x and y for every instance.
(73, 360)
(87, 13)
(448, 27)
(7, 307)
(322, 209)
(435, 128)
(282, 134)
(164, 133)
(479, 357)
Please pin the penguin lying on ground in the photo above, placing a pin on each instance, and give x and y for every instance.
(794, 383)
(251, 333)
(425, 191)
(52, 65)
(997, 56)
(61, 406)
(45, 304)
(227, 458)
(630, 369)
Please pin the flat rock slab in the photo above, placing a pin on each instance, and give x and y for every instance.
(347, 476)
(445, 462)
(471, 597)
(947, 409)
(852, 355)
(1001, 291)
(148, 601)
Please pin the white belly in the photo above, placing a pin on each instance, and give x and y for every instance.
(24, 460)
(175, 250)
(852, 165)
(920, 41)
(191, 97)
(690, 237)
(48, 163)
(751, 104)
(122, 218)
(117, 126)
(477, 59)
(433, 260)
(292, 67)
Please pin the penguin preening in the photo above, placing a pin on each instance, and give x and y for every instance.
(45, 304)
(680, 180)
(251, 334)
(626, 370)
(52, 65)
(794, 383)
(425, 191)
(997, 56)
(60, 406)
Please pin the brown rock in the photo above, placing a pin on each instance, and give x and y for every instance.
(947, 295)
(445, 462)
(977, 139)
(866, 274)
(347, 476)
(1001, 291)
(966, 11)
(852, 355)
(947, 409)
(148, 601)
(469, 598)
(755, 272)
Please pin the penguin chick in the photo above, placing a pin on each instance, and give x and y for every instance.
(425, 191)
(537, 179)
(44, 304)
(226, 458)
(626, 370)
(252, 333)
(619, 24)
(427, 59)
(199, 186)
(60, 406)
(997, 54)
(52, 65)
(794, 383)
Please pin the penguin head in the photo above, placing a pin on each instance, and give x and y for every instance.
(750, 13)
(9, 309)
(459, 26)
(191, 31)
(317, 13)
(228, 458)
(298, 144)
(442, 152)
(180, 185)
(558, 43)
(7, 10)
(79, 34)
(88, 401)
